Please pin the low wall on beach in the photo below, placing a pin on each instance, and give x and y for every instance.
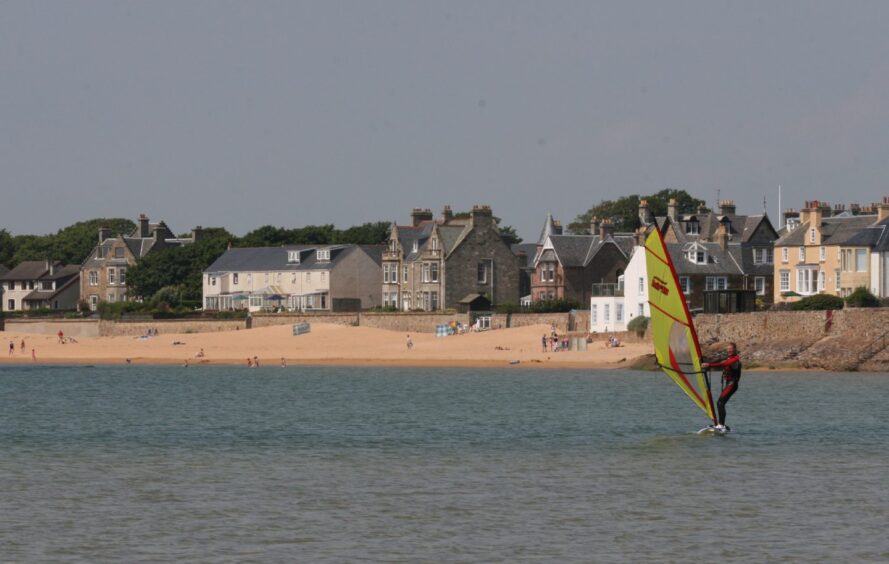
(267, 320)
(70, 327)
(166, 327)
(411, 322)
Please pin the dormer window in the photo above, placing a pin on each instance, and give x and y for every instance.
(692, 227)
(416, 246)
(393, 245)
(433, 244)
(293, 257)
(697, 256)
(811, 235)
(323, 254)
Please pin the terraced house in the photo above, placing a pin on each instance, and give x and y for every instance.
(833, 251)
(432, 264)
(103, 275)
(295, 278)
(40, 285)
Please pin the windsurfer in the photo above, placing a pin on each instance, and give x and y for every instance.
(731, 374)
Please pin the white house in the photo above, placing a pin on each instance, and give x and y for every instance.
(295, 278)
(613, 306)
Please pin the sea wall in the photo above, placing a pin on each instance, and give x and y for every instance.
(166, 327)
(70, 327)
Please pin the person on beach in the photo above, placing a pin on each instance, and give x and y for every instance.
(255, 362)
(34, 355)
(410, 343)
(23, 346)
(283, 363)
(249, 362)
(731, 375)
(61, 337)
(543, 341)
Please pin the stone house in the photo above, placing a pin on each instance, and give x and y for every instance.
(718, 250)
(433, 265)
(103, 275)
(40, 285)
(295, 278)
(567, 266)
(832, 251)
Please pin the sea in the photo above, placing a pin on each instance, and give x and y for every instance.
(368, 464)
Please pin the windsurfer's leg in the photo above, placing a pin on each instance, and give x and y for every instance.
(723, 398)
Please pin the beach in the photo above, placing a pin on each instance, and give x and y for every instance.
(325, 344)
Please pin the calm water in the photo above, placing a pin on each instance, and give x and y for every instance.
(401, 465)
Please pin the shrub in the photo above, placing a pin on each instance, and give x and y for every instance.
(638, 324)
(819, 301)
(861, 297)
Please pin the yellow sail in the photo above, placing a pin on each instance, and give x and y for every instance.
(673, 332)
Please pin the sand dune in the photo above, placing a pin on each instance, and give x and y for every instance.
(325, 344)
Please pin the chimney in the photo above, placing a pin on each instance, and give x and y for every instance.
(197, 234)
(419, 215)
(481, 216)
(882, 209)
(672, 211)
(606, 228)
(855, 209)
(790, 217)
(825, 209)
(644, 213)
(104, 233)
(143, 225)
(722, 234)
(557, 227)
(702, 209)
(447, 214)
(727, 207)
(594, 225)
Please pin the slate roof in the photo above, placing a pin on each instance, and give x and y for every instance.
(27, 270)
(834, 230)
(721, 262)
(577, 251)
(530, 250)
(258, 259)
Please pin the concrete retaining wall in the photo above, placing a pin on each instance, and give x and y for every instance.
(71, 327)
(410, 322)
(166, 327)
(265, 320)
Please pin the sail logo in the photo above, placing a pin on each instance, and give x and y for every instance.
(660, 286)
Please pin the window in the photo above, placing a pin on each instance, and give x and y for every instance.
(692, 227)
(385, 299)
(111, 298)
(46, 285)
(618, 313)
(324, 275)
(433, 272)
(10, 305)
(641, 286)
(293, 257)
(606, 313)
(433, 301)
(764, 255)
(784, 277)
(784, 254)
(594, 313)
(806, 281)
(716, 283)
(111, 276)
(433, 244)
(822, 280)
(118, 252)
(641, 311)
(404, 275)
(482, 273)
(836, 282)
(811, 235)
(861, 260)
(323, 255)
(94, 302)
(94, 278)
(393, 245)
(425, 272)
(122, 276)
(385, 278)
(212, 280)
(802, 254)
(822, 254)
(697, 256)
(235, 278)
(415, 247)
(685, 284)
(759, 284)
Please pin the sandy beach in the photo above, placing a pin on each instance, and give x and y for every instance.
(325, 344)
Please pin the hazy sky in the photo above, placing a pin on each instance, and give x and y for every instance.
(241, 114)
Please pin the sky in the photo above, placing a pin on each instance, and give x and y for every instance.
(243, 114)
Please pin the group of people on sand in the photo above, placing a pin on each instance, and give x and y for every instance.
(23, 347)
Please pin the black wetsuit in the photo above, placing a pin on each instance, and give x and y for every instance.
(731, 375)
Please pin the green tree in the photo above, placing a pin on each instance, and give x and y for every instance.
(624, 211)
(862, 297)
(365, 234)
(70, 245)
(7, 248)
(818, 302)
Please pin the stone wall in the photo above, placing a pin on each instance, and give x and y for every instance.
(411, 322)
(166, 327)
(267, 320)
(71, 327)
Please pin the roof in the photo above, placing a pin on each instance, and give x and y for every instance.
(834, 231)
(258, 259)
(720, 262)
(39, 270)
(530, 251)
(577, 251)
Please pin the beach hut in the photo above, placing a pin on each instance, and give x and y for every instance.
(474, 303)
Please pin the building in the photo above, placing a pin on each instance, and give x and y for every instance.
(833, 251)
(718, 250)
(295, 278)
(40, 285)
(613, 306)
(433, 265)
(103, 275)
(567, 266)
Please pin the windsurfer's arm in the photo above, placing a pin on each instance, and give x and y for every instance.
(727, 362)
